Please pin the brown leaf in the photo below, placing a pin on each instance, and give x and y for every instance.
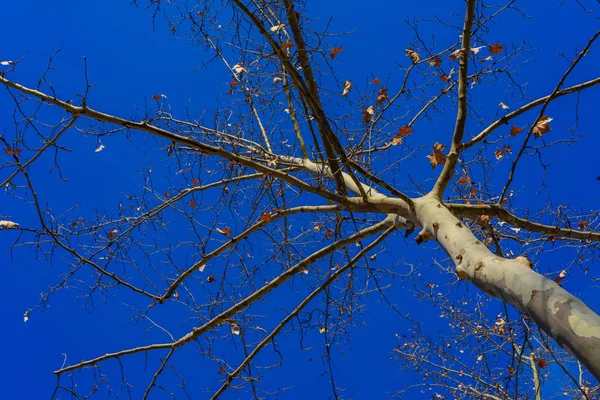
(335, 51)
(457, 54)
(404, 132)
(464, 180)
(329, 234)
(8, 225)
(368, 114)
(192, 203)
(561, 276)
(514, 130)
(542, 126)
(499, 153)
(376, 81)
(224, 231)
(12, 152)
(437, 157)
(232, 84)
(445, 78)
(542, 363)
(347, 88)
(287, 45)
(383, 96)
(266, 217)
(583, 224)
(111, 234)
(195, 181)
(496, 48)
(415, 57)
(211, 278)
(435, 62)
(157, 97)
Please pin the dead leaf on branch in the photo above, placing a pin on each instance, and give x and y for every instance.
(368, 114)
(266, 217)
(414, 56)
(376, 81)
(437, 157)
(499, 153)
(12, 152)
(583, 224)
(347, 88)
(457, 54)
(335, 51)
(225, 231)
(435, 62)
(504, 106)
(404, 132)
(542, 126)
(464, 180)
(496, 48)
(8, 225)
(383, 96)
(514, 130)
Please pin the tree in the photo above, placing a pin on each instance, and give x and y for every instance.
(265, 219)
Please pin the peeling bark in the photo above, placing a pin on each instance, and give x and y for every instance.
(573, 325)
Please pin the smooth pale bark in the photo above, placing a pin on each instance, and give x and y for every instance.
(573, 325)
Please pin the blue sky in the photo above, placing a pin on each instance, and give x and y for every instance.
(129, 62)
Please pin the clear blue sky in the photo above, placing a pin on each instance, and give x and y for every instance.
(129, 61)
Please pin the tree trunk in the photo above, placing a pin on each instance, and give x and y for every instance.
(573, 325)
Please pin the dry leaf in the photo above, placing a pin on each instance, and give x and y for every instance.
(504, 106)
(376, 81)
(211, 278)
(111, 234)
(404, 132)
(8, 225)
(12, 152)
(542, 363)
(445, 78)
(414, 56)
(192, 203)
(437, 157)
(514, 130)
(435, 62)
(195, 181)
(560, 276)
(99, 148)
(476, 50)
(322, 330)
(266, 217)
(464, 180)
(383, 96)
(499, 153)
(542, 127)
(335, 51)
(496, 48)
(276, 28)
(224, 231)
(329, 234)
(235, 329)
(583, 224)
(347, 88)
(277, 79)
(239, 68)
(157, 97)
(368, 114)
(488, 58)
(457, 54)
(287, 45)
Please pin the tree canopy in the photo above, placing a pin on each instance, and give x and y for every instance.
(280, 198)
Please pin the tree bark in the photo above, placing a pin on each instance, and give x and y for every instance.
(564, 317)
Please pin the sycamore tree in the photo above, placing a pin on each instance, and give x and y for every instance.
(312, 192)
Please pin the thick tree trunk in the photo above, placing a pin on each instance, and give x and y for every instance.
(573, 325)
